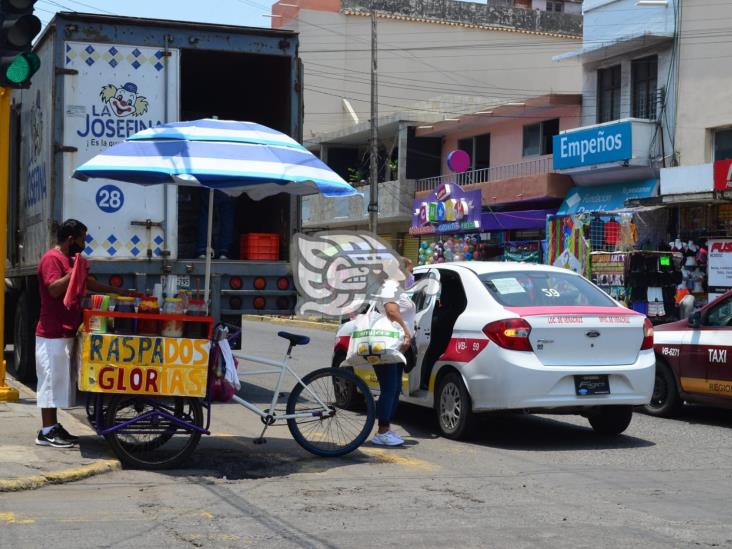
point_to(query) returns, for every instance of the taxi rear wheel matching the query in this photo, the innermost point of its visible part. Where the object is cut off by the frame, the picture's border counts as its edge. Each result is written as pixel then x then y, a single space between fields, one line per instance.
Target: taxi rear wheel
pixel 665 401
pixel 611 420
pixel 455 416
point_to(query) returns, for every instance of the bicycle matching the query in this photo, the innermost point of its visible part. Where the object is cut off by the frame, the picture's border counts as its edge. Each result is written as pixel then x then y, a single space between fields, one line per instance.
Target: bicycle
pixel 152 432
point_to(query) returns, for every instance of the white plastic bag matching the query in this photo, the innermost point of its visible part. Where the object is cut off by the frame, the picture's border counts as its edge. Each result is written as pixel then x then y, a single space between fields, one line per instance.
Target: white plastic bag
pixel 375 340
pixel 230 373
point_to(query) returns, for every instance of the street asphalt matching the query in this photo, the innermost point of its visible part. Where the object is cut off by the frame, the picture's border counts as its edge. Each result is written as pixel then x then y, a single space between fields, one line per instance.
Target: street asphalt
pixel 522 481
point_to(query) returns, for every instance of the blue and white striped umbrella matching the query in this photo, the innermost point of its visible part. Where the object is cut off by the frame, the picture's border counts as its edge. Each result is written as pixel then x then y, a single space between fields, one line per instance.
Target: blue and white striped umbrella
pixel 233 157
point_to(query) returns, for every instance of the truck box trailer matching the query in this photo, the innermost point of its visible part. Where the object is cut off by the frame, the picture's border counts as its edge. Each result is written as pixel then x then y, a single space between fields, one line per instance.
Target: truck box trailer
pixel 103 78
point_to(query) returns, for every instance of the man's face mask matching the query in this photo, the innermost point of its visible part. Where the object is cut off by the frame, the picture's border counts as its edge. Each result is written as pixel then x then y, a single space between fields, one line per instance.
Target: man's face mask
pixel 75 248
pixel 410 281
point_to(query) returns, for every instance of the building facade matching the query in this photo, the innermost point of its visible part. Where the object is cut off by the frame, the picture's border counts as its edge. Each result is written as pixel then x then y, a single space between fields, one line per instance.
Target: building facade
pixel 447 50
pixel 704 129
pixel 438 60
pixel 510 150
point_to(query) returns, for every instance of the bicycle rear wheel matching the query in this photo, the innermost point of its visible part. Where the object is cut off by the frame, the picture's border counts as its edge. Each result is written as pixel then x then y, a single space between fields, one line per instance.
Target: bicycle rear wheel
pixel 338 430
pixel 155 441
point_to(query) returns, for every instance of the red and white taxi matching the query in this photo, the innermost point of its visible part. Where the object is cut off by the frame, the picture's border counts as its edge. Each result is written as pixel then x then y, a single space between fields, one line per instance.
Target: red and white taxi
pixel 510 336
pixel 694 360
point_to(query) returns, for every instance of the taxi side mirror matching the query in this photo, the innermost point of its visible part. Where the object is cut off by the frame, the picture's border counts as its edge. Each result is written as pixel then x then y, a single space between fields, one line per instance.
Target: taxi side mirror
pixel 695 320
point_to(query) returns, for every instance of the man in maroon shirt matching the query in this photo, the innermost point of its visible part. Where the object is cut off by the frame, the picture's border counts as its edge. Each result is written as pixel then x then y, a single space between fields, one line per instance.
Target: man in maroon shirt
pixel 55 332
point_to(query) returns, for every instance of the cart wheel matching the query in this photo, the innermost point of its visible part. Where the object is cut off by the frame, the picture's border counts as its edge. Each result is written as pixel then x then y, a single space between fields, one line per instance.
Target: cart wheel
pixel 155 441
pixel 335 432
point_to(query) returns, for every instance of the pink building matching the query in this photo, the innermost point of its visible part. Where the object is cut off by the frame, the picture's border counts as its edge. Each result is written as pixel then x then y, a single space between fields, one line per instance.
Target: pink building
pixel 511 150
pixel 510 147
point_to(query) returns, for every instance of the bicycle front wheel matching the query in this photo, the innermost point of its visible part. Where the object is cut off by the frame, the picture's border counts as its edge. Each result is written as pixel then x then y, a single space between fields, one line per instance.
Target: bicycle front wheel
pixel 332 430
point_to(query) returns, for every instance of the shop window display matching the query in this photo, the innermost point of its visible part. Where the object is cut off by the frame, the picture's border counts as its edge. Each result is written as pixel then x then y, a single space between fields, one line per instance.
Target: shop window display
pixel 451 248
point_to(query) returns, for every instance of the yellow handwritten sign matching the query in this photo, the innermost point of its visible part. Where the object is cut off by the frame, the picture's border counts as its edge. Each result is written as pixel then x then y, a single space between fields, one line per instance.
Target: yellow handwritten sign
pixel 143 365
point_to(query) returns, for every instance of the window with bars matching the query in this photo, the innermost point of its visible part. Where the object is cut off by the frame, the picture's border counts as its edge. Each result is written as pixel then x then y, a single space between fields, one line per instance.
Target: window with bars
pixel 555 5
pixel 644 78
pixel 608 94
pixel 479 149
pixel 538 137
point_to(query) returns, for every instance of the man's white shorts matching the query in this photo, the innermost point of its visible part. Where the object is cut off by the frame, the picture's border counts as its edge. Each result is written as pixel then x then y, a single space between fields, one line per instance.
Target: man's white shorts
pixel 56 379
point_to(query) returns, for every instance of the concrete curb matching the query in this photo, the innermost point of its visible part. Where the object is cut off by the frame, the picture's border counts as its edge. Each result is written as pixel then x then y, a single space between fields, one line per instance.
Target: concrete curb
pixel 60 477
pixel 325 326
pixel 63 476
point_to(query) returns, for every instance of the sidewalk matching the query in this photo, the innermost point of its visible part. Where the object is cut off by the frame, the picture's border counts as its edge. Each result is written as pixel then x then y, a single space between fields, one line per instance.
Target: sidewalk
pixel 26 466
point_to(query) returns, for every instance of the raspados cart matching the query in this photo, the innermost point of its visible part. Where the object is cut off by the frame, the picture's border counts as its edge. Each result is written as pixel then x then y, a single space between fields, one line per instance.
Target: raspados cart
pixel 149 392
pixel 146 393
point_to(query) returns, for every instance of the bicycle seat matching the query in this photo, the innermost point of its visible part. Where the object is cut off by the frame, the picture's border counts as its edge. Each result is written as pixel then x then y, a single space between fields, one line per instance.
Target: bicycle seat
pixel 294 339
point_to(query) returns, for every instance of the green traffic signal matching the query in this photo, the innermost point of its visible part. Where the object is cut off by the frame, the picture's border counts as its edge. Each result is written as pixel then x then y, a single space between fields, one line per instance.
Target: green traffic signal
pixel 18 28
pixel 22 68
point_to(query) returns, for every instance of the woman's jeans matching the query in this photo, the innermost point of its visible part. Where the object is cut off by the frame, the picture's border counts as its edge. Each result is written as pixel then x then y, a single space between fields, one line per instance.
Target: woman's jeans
pixel 390 383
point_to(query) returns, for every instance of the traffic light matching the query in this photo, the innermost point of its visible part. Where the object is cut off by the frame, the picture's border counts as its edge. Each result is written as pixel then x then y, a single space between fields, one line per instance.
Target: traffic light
pixel 18 28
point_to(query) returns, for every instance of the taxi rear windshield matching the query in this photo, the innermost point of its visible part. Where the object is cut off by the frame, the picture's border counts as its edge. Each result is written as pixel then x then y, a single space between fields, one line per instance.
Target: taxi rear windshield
pixel 543 289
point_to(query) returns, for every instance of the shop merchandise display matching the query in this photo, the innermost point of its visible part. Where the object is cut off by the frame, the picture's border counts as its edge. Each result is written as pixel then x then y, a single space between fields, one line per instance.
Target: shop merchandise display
pixel 529 251
pixel 179 306
pixel 567 244
pixel 652 280
pixel 693 269
pixel 451 248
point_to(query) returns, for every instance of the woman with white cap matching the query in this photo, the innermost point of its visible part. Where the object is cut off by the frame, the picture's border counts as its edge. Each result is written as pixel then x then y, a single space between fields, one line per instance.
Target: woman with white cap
pixel 400 309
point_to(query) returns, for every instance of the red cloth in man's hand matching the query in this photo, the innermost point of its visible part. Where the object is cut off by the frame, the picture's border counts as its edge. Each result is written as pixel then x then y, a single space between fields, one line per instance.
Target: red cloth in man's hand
pixel 77 284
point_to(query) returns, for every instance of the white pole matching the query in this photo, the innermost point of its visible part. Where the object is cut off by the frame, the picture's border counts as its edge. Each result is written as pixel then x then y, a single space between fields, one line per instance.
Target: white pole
pixel 209 251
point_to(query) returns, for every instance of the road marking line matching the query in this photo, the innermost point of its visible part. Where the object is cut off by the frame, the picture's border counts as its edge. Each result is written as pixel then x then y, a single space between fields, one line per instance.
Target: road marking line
pixel 392 456
pixel 59 477
pixel 11 518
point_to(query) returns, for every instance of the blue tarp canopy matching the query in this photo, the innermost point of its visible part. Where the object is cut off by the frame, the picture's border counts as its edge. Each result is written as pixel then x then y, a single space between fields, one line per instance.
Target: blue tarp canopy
pixel 519 220
pixel 606 198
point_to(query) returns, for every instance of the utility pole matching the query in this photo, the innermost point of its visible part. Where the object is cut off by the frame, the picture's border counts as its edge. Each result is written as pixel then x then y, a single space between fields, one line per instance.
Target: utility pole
pixel 7 393
pixel 373 207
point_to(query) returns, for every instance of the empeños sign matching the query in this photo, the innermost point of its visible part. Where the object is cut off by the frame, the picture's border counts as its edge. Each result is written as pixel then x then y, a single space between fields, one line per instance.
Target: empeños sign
pixel 594 145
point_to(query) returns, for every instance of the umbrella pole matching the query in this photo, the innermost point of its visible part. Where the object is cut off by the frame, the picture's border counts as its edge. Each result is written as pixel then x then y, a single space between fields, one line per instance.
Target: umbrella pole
pixel 209 251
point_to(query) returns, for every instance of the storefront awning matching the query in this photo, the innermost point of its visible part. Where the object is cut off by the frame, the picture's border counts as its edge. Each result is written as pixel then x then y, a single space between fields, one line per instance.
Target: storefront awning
pixel 606 198
pixel 510 221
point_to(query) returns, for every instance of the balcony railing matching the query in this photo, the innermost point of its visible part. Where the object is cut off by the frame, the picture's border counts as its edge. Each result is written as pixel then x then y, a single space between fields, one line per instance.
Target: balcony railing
pixel 537 166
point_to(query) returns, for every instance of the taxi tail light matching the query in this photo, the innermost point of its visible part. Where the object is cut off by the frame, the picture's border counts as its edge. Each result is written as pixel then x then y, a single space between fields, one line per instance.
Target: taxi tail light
pixel 647 335
pixel 342 343
pixel 512 334
pixel 283 283
pixel 235 283
pixel 259 303
pixel 260 283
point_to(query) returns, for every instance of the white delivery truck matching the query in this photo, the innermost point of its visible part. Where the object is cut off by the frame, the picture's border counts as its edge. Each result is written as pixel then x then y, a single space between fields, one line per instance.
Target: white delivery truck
pixel 103 78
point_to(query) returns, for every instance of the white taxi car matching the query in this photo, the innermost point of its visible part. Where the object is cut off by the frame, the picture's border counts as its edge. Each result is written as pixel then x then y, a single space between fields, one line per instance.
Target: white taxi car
pixel 516 336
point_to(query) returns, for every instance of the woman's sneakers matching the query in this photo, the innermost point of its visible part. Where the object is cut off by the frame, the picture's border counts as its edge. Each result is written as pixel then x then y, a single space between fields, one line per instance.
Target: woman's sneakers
pixel 390 438
pixel 57 437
